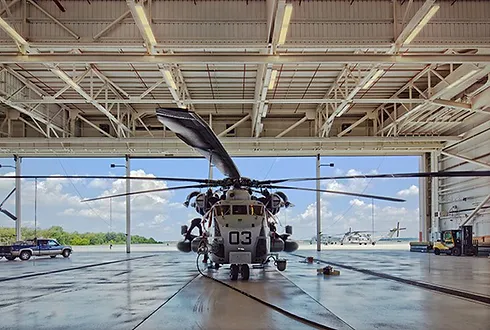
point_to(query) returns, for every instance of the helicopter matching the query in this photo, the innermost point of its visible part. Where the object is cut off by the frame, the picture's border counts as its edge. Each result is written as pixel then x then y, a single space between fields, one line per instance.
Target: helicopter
pixel 239 214
pixel 241 223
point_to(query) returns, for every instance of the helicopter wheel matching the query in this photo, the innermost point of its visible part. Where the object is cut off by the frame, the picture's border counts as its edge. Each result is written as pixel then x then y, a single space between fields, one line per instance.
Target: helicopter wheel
pixel 245 271
pixel 216 265
pixel 234 272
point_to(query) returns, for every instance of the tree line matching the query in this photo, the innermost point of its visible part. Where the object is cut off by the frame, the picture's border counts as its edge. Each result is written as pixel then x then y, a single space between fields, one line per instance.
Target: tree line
pixel 7 236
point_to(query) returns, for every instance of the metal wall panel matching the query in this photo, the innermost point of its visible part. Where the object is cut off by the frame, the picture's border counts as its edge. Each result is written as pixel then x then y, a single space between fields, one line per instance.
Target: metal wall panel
pixel 464 193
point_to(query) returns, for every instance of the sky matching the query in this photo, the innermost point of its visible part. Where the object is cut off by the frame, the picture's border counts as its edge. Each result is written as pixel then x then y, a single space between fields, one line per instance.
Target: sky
pixel 160 215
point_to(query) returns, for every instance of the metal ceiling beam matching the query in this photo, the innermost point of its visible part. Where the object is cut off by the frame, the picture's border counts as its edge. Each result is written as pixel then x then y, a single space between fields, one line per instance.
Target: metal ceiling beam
pixel 54 19
pixel 9 6
pixel 275 15
pixel 77 80
pixel 235 125
pixel 293 126
pixel 24 46
pixel 63 76
pixel 392 99
pixel 33 115
pixel 344 106
pixel 247 58
pixel 172 74
pixel 139 100
pixel 407 30
pixel 465 159
pixel 114 23
pixel 238 140
pixel 456 82
pixel 173 147
pixel 413 23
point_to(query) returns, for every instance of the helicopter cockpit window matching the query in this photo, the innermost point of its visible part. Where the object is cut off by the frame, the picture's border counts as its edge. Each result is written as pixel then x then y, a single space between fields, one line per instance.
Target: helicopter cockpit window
pixel 222 210
pixel 240 209
pixel 256 210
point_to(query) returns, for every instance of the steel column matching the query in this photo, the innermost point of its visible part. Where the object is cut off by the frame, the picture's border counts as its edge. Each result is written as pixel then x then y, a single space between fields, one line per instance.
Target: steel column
pixel 128 206
pixel 18 205
pixel 423 200
pixel 318 207
pixel 435 214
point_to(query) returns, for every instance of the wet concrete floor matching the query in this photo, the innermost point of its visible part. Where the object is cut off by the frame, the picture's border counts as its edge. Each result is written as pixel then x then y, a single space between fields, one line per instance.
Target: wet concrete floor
pixel 163 290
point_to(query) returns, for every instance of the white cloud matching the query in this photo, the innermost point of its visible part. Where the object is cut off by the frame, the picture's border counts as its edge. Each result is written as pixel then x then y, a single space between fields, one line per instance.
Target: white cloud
pixel 349 185
pixel 59 204
pixel 357 202
pixel 99 184
pixel 412 191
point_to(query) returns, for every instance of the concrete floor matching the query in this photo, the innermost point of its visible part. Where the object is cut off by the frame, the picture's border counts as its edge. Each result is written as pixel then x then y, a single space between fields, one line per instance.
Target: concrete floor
pixel 161 290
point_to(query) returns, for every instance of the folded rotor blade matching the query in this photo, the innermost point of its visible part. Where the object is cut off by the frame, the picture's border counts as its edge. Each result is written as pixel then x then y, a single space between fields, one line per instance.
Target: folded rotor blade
pixel 10 215
pixel 194 132
pixel 109 177
pixel 1 204
pixel 145 192
pixel 440 174
pixel 391 199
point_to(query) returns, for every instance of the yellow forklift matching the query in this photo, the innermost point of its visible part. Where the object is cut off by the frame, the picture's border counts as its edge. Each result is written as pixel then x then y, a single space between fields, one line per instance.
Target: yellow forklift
pixel 456 242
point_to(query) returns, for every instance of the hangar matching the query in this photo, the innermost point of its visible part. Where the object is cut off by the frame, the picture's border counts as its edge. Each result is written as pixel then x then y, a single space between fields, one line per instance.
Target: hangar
pixel 271 78
pixel 380 77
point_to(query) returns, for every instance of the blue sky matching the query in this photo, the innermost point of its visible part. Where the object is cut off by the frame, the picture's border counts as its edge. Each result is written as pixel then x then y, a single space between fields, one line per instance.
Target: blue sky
pixel 160 214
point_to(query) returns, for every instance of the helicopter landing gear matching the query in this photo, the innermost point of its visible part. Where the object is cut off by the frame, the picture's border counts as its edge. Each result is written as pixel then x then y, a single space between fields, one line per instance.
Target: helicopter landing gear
pixel 234 272
pixel 243 270
pixel 281 264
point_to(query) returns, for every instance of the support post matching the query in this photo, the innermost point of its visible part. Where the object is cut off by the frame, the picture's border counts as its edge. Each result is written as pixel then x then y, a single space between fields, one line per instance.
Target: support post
pixel 423 200
pixel 318 207
pixel 128 206
pixel 18 206
pixel 435 216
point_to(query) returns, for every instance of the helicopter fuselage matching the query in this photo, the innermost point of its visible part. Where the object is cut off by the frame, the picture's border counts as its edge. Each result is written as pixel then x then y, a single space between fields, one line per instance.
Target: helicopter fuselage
pixel 239 231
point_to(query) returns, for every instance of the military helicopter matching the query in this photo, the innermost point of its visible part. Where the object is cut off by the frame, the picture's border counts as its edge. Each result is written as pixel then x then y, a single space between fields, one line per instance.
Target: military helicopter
pixel 239 213
pixel 241 226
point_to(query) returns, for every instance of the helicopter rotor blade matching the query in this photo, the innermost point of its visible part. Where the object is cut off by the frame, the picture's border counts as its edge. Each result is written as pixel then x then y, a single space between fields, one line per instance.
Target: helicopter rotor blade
pixel 7 213
pixel 391 199
pixel 5 199
pixel 145 192
pixel 112 177
pixel 440 174
pixel 196 133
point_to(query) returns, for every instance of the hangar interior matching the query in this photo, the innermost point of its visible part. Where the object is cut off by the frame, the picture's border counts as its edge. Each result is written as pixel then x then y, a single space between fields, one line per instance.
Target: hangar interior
pixel 272 78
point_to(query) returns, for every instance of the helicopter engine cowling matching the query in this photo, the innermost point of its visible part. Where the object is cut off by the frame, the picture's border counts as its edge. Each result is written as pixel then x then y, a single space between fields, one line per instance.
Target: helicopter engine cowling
pixel 184 246
pixel 277 244
pixel 196 242
pixel 290 246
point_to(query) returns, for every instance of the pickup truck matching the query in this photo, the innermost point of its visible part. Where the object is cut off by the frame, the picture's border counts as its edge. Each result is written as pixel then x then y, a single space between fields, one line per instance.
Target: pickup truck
pixel 39 247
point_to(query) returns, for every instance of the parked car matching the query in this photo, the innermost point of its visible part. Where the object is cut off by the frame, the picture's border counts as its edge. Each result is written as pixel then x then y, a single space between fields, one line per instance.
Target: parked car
pixel 24 250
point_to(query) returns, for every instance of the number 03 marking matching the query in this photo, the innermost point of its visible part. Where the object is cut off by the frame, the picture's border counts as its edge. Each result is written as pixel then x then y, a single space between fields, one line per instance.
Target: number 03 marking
pixel 234 237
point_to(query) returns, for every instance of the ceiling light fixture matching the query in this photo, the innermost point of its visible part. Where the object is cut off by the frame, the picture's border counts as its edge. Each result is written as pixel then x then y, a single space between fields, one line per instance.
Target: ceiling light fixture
pixel 423 22
pixel 288 10
pixel 169 79
pixel 145 25
pixel 375 77
pixel 272 81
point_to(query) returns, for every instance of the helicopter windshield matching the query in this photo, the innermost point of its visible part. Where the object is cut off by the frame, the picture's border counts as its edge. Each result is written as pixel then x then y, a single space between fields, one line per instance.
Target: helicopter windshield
pixel 221 210
pixel 256 210
pixel 240 209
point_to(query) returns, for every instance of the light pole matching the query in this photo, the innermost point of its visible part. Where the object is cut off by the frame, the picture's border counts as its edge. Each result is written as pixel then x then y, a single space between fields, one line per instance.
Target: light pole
pixel 318 205
pixel 128 203
pixel 18 209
